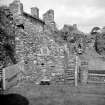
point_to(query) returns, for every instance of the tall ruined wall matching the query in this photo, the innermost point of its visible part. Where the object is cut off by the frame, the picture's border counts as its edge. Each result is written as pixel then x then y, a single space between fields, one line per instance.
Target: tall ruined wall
pixel 28 28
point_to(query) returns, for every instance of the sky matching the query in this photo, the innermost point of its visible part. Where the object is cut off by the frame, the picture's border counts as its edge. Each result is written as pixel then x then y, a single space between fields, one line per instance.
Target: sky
pixel 85 13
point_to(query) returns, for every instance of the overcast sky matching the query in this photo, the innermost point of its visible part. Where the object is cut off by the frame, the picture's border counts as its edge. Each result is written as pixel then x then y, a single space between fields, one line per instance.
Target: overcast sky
pixel 85 13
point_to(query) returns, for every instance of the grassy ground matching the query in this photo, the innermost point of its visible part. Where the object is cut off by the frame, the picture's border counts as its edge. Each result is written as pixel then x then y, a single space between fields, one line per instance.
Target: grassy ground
pixel 61 95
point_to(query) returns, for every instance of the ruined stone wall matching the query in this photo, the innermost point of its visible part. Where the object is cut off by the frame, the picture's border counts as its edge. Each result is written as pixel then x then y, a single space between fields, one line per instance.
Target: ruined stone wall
pixel 28 28
pixel 41 50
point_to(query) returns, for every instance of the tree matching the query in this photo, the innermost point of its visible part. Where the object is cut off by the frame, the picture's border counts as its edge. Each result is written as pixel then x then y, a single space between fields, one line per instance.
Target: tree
pixel 95 30
pixel 7 37
pixel 99 38
pixel 100 44
pixel 75 40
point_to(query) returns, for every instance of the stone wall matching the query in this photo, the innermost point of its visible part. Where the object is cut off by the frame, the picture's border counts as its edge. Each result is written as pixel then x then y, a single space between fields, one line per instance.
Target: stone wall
pixel 47 58
pixel 28 28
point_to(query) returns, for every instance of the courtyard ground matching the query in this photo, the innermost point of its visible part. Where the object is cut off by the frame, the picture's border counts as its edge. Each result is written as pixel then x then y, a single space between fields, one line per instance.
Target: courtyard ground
pixel 61 95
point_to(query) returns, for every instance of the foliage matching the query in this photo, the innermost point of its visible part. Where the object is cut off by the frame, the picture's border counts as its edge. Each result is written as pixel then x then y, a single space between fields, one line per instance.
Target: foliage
pixel 74 39
pixel 95 30
pixel 7 36
pixel 100 44
pixel 99 40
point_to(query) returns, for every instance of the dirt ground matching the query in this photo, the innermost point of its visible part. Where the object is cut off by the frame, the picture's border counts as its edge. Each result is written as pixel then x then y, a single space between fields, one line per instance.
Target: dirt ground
pixel 61 95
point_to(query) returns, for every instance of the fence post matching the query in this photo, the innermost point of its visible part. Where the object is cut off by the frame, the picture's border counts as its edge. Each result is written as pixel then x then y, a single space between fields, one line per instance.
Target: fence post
pixel 84 73
pixel 4 85
pixel 76 71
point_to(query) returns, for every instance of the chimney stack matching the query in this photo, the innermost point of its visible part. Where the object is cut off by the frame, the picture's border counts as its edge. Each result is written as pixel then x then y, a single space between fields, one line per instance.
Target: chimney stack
pixel 35 12
pixel 48 17
pixel 16 7
pixel 75 26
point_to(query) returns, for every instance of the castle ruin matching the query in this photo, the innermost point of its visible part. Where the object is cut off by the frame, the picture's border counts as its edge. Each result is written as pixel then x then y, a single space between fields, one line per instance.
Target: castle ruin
pixel 44 53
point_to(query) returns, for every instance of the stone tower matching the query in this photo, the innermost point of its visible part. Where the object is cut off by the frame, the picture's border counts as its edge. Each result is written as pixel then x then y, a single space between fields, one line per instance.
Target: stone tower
pixel 16 7
pixel 75 26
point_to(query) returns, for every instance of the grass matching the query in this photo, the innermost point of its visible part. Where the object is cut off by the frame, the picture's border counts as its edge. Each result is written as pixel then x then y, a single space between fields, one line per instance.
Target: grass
pixel 61 95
